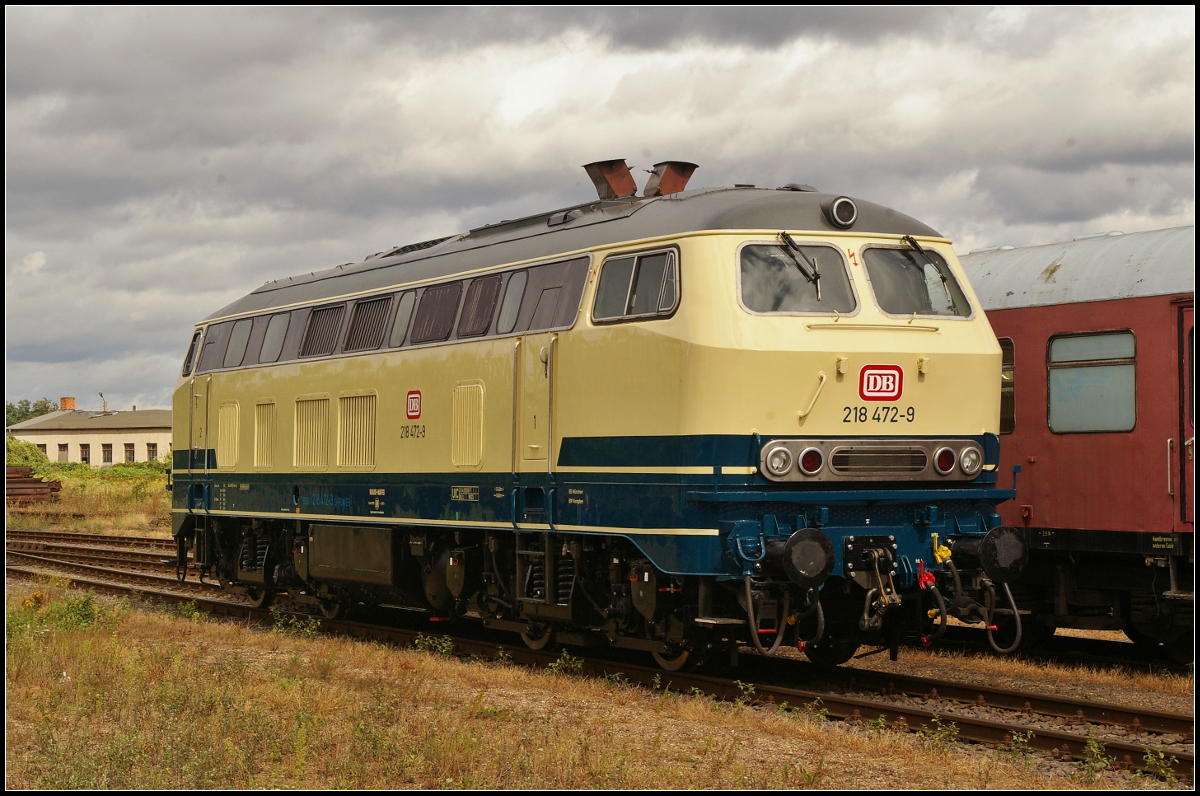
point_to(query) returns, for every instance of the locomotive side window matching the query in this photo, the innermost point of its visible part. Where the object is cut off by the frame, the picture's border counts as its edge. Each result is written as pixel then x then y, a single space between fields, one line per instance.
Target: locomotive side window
pixel 321 336
pixel 907 283
pixel 403 315
pixel 367 325
pixel 479 307
pixel 237 343
pixel 775 279
pixel 1092 382
pixel 273 340
pixel 435 315
pixel 637 287
pixel 213 352
pixel 511 306
pixel 1008 370
pixel 190 359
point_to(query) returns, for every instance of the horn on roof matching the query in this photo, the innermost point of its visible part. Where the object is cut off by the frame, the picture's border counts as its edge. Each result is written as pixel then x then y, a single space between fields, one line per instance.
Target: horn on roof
pixel 668 177
pixel 612 178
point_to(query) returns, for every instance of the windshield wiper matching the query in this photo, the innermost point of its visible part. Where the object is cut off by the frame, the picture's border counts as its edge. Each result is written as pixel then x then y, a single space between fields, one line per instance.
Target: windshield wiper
pixel 911 241
pixel 797 255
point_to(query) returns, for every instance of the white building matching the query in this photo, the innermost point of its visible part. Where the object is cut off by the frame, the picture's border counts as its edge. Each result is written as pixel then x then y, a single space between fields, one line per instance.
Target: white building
pixel 98 438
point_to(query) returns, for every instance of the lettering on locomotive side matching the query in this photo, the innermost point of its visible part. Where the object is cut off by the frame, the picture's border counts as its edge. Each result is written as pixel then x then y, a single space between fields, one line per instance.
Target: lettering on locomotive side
pixel 575 497
pixel 465 493
pixel 412 432
pixel 881 383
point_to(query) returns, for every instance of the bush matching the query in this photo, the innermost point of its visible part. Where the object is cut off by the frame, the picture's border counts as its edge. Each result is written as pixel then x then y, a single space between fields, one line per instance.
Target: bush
pixel 19 453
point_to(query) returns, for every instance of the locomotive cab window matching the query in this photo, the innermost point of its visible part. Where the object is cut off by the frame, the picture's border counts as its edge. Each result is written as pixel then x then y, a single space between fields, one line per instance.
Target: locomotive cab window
pixel 190 359
pixel 641 286
pixel 806 279
pixel 1091 382
pixel 404 313
pixel 237 343
pixel 273 340
pixel 911 282
pixel 1008 372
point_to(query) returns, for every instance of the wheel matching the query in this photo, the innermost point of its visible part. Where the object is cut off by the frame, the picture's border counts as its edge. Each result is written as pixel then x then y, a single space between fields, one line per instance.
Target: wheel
pixel 259 596
pixel 676 659
pixel 831 653
pixel 334 609
pixel 539 638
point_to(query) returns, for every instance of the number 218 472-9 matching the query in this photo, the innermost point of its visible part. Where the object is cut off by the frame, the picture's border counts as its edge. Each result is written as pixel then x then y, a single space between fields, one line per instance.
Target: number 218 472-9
pixel 878 414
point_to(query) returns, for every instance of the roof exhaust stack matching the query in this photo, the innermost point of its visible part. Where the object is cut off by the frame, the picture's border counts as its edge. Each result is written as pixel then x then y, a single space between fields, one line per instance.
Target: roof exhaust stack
pixel 668 177
pixel 66 404
pixel 612 178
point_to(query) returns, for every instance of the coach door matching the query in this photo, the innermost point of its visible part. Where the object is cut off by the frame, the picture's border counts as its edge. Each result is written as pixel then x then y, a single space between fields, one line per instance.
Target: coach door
pixel 1187 414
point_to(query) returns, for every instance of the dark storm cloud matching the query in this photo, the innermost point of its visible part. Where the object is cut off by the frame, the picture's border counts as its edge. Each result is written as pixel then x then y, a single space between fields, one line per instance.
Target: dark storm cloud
pixel 162 162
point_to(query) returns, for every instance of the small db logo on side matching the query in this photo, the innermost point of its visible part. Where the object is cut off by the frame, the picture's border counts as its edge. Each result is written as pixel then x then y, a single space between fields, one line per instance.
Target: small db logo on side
pixel 881 383
pixel 413 409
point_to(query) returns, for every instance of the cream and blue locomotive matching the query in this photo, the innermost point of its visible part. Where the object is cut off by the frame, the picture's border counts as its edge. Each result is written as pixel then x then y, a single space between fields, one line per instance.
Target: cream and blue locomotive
pixel 683 422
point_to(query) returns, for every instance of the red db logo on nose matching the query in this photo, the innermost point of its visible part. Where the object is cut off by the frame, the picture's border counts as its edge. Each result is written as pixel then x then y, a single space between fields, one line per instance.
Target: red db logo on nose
pixel 880 383
pixel 413 410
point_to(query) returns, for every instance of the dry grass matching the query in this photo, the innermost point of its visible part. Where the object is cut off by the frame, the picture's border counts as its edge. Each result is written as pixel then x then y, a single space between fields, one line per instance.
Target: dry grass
pixel 138 505
pixel 135 698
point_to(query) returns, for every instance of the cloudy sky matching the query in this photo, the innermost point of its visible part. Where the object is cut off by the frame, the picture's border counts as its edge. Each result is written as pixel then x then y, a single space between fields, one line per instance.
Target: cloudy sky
pixel 162 162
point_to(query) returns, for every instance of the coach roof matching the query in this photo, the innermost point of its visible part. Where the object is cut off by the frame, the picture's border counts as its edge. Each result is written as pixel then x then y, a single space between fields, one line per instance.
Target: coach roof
pixel 1154 263
pixel 578 228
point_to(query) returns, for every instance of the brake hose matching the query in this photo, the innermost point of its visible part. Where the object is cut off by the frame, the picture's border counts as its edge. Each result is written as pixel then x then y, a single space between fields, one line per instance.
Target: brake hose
pixel 779 632
pixel 1016 618
pixel 815 606
pixel 940 629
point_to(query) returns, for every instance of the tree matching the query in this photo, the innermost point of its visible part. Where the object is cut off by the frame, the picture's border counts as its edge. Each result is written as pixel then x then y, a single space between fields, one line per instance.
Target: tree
pixel 25 409
pixel 18 452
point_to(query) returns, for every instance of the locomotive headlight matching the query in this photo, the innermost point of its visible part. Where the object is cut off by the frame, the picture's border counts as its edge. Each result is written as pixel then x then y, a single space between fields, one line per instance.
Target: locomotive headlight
pixel 944 460
pixel 779 461
pixel 811 461
pixel 970 460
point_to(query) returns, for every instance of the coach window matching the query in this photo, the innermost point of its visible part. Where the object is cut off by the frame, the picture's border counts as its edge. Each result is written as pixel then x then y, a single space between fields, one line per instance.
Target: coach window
pixel 1008 407
pixel 273 340
pixel 779 279
pixel 435 314
pixel 911 282
pixel 514 291
pixel 237 343
pixel 1091 382
pixel 190 359
pixel 632 288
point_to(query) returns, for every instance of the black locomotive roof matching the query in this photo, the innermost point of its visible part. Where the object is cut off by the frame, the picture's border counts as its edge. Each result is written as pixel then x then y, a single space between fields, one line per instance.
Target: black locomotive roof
pixel 594 224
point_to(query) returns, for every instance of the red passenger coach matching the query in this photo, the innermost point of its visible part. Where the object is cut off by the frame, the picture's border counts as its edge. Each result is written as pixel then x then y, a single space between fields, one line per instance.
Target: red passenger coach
pixel 1098 417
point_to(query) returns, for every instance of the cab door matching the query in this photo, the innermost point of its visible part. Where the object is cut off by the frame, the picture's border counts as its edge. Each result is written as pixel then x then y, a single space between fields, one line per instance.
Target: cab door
pixel 536 418
pixel 198 411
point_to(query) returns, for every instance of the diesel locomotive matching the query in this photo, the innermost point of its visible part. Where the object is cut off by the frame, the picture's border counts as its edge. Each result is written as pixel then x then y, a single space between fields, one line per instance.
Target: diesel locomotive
pixel 682 422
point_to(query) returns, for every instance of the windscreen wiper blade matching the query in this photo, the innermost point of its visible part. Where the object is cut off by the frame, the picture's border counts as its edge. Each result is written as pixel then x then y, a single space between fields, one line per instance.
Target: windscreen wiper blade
pixel 803 264
pixel 911 241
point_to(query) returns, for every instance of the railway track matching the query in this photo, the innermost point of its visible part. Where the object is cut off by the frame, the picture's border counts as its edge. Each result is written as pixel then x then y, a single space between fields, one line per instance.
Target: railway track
pixel 981 713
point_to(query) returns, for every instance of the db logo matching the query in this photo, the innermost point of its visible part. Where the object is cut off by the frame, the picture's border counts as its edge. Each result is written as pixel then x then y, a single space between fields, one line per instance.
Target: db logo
pixel 880 383
pixel 413 410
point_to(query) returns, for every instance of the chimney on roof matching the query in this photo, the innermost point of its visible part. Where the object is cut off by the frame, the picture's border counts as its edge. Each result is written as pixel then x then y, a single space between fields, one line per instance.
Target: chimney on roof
pixel 668 177
pixel 134 408
pixel 66 404
pixel 612 178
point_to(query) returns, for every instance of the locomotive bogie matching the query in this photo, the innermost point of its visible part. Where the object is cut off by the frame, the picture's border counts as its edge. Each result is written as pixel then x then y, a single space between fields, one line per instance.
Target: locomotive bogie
pixel 588 461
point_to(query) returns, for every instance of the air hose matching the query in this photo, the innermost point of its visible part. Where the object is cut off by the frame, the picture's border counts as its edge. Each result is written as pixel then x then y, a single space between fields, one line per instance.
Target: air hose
pixel 815 605
pixel 779 632
pixel 940 629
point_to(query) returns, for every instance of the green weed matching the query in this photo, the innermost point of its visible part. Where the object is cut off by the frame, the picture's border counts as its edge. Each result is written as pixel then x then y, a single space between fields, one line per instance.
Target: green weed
pixel 567 665
pixel 295 625
pixel 939 737
pixel 435 645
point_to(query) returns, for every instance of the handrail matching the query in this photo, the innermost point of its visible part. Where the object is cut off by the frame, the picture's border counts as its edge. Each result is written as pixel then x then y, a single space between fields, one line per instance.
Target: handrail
pixel 886 327
pixel 820 386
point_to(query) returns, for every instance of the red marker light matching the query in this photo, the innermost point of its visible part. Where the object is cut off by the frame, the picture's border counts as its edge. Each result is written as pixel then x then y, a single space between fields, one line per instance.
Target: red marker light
pixel 811 461
pixel 944 460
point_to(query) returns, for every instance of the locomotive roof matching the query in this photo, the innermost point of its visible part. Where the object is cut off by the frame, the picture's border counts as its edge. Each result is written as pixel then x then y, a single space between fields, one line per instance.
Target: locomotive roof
pixel 1094 269
pixel 581 227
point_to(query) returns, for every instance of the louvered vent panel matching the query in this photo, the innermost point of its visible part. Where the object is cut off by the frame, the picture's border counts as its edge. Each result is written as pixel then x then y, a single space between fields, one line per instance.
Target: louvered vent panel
pixel 367 325
pixel 479 307
pixel 868 461
pixel 264 435
pixel 227 436
pixel 312 432
pixel 321 336
pixel 356 447
pixel 466 444
pixel 435 315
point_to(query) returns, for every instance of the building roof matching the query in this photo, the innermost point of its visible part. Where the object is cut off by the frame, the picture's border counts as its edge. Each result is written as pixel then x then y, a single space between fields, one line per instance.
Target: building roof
pixel 586 226
pixel 71 420
pixel 1156 263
